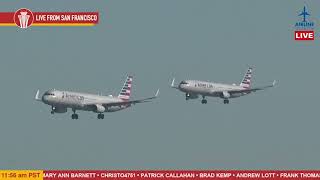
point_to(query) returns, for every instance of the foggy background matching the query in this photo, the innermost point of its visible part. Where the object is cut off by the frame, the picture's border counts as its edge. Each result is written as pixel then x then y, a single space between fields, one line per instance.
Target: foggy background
pixel 155 41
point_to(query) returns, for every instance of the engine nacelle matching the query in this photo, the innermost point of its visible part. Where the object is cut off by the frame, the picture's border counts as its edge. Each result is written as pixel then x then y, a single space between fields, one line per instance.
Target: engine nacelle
pixel 192 96
pixel 60 109
pixel 225 94
pixel 99 108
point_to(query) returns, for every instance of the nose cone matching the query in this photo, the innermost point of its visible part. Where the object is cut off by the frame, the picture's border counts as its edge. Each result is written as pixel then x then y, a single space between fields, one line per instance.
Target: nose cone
pixel 45 98
pixel 183 85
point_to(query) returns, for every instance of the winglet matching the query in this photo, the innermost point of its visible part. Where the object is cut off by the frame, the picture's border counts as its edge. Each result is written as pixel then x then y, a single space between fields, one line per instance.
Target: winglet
pixel 274 83
pixel 172 83
pixel 157 93
pixel 37 96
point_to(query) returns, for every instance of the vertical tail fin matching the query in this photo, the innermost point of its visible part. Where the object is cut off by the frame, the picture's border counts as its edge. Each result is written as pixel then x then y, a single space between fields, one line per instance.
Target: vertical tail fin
pixel 125 92
pixel 246 81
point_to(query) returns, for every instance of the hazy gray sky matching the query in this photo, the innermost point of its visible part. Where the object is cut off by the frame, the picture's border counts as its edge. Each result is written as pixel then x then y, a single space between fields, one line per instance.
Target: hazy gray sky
pixel 155 41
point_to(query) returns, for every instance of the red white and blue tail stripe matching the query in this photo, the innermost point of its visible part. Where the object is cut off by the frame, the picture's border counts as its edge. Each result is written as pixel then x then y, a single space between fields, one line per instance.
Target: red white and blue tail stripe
pixel 125 92
pixel 246 82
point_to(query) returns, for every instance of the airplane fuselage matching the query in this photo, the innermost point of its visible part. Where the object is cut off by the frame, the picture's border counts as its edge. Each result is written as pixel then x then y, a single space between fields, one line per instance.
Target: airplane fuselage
pixel 75 100
pixel 209 88
pixel 195 88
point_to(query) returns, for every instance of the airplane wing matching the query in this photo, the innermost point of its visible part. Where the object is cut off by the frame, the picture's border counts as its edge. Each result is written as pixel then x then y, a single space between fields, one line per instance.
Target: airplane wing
pixel 252 89
pixel 304 13
pixel 133 101
pixel 126 102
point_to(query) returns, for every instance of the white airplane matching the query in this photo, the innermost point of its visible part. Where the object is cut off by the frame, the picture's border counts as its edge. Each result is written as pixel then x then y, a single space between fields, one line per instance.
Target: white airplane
pixel 194 88
pixel 60 101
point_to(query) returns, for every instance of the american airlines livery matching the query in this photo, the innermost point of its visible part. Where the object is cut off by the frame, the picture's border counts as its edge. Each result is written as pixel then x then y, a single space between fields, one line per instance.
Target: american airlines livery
pixel 194 88
pixel 60 101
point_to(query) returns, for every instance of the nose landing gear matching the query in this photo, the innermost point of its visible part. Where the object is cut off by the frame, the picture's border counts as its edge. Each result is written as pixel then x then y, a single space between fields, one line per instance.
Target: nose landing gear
pixel 52 109
pixel 187 96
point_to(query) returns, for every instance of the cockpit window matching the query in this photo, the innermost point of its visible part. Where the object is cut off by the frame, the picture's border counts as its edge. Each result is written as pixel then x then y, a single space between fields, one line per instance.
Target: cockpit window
pixel 183 82
pixel 49 94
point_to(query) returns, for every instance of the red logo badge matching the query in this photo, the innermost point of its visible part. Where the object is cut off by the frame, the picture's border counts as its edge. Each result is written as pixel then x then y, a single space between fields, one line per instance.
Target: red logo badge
pixel 304 35
pixel 23 18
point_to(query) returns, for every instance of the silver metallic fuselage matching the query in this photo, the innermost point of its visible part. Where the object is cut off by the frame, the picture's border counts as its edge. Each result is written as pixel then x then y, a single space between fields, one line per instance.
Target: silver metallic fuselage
pixel 209 88
pixel 79 101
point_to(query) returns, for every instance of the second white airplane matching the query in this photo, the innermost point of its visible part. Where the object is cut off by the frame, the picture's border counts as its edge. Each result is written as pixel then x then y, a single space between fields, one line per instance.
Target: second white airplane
pixel 60 101
pixel 194 88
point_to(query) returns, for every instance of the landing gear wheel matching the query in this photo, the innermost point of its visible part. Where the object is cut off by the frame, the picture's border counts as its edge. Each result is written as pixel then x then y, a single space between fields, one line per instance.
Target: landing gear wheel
pixel 52 109
pixel 204 101
pixel 74 116
pixel 226 101
pixel 100 116
pixel 187 96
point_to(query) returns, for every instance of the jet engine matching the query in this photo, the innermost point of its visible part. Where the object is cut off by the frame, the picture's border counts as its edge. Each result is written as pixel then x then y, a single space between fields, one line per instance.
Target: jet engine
pixel 225 94
pixel 99 108
pixel 60 109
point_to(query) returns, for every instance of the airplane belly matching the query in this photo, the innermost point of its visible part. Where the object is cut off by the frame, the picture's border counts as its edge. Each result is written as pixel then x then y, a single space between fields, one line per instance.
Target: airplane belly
pixel 214 94
pixel 201 91
pixel 207 92
pixel 116 108
pixel 235 95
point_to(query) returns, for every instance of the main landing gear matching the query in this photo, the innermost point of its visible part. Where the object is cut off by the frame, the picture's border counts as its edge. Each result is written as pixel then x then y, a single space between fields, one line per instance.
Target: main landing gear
pixel 52 109
pixel 74 115
pixel 226 101
pixel 204 101
pixel 100 116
